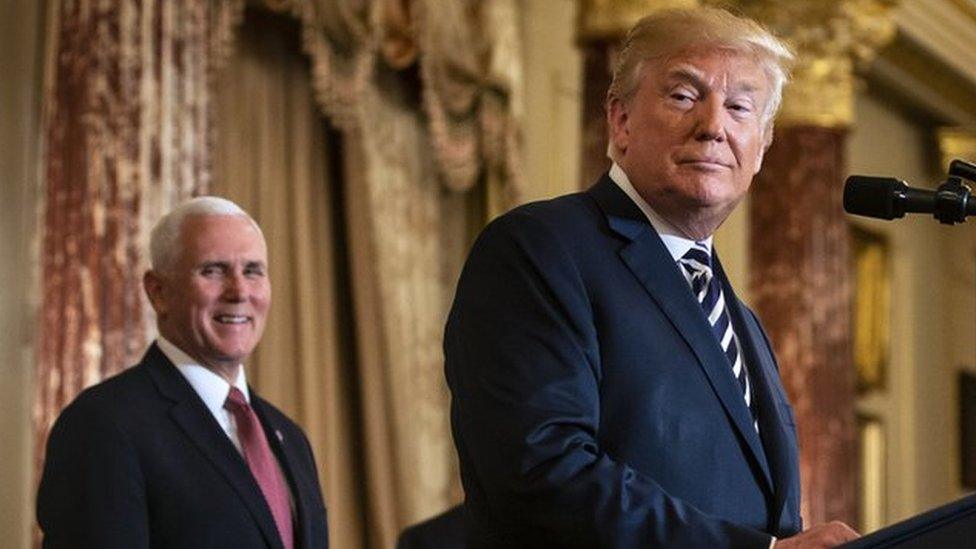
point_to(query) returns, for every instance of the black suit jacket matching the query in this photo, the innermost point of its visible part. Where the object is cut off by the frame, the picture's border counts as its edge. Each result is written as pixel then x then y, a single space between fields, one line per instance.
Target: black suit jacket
pixel 592 404
pixel 444 531
pixel 139 461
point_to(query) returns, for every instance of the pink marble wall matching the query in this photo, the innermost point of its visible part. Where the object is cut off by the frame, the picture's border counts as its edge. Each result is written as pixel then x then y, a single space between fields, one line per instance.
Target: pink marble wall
pixel 597 58
pixel 800 282
pixel 127 127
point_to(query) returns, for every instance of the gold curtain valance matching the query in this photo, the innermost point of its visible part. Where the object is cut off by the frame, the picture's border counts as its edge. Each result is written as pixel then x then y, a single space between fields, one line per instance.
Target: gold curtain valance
pixel 467 67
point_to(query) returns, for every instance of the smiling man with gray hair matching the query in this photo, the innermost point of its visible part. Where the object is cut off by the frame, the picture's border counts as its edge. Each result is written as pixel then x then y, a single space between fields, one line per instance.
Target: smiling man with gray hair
pixel 178 451
pixel 609 388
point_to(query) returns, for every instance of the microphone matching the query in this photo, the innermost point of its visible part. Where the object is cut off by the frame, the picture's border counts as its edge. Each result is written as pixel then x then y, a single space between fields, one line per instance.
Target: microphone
pixel 890 198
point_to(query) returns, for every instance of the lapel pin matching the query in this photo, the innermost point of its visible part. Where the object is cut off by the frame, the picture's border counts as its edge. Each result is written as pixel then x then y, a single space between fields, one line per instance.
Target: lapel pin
pixel 281 437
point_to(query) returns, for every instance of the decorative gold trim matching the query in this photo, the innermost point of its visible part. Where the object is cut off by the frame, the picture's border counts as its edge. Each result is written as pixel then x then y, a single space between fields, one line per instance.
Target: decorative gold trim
pixel 956 143
pixel 820 94
pixel 611 19
pixel 871 255
pixel 872 485
pixel 831 38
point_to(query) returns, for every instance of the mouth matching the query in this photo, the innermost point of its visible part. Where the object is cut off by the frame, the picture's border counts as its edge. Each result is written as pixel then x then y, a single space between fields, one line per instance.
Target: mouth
pixel 231 319
pixel 705 163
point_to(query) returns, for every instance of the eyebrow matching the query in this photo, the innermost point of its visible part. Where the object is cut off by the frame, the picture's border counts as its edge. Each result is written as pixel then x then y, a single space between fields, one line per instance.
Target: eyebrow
pixel 691 74
pixel 226 264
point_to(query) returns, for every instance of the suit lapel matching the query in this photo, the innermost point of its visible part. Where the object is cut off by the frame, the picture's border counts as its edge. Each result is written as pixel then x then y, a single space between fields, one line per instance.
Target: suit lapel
pixel 199 425
pixel 777 440
pixel 286 451
pixel 649 260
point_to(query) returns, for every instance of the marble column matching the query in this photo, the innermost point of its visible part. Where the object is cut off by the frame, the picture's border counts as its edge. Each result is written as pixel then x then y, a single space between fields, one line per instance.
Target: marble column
pixel 127 124
pixel 800 271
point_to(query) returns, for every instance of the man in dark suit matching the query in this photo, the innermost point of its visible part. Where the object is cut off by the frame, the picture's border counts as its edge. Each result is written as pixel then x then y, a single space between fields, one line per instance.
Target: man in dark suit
pixel 609 389
pixel 178 451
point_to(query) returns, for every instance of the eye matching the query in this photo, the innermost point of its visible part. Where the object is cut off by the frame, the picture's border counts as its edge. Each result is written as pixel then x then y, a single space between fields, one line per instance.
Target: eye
pixel 210 270
pixel 681 97
pixel 254 271
pixel 740 108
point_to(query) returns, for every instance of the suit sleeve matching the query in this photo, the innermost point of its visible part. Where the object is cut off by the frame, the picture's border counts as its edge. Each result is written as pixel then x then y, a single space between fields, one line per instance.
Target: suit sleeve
pixel 92 492
pixel 318 513
pixel 523 363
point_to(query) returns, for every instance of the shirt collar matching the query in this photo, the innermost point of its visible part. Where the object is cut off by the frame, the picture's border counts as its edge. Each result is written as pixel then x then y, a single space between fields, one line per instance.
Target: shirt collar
pixel 676 243
pixel 212 388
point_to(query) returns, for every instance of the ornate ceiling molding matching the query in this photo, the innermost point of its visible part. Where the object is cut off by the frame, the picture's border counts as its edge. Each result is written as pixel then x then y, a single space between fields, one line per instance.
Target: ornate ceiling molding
pixel 601 20
pixel 931 64
pixel 832 38
pixel 946 29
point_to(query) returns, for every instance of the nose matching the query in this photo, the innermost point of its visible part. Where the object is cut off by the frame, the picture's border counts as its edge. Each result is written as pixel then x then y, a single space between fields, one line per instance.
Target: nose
pixel 710 124
pixel 235 288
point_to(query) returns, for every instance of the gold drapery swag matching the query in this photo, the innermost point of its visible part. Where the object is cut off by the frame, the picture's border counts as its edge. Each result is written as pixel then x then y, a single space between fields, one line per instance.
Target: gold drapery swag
pixel 467 55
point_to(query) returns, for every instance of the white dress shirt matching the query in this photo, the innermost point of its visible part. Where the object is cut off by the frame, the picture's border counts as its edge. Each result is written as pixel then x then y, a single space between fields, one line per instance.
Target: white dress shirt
pixel 213 391
pixel 211 388
pixel 676 243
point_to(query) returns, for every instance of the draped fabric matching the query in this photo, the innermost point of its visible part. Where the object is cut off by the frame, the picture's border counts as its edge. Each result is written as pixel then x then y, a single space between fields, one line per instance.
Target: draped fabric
pixel 276 157
pixel 468 57
pixel 365 247
pixel 127 130
pixel 373 62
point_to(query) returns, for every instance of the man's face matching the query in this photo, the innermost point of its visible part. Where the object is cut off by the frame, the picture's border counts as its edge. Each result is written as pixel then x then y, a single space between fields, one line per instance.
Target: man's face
pixel 693 135
pixel 213 301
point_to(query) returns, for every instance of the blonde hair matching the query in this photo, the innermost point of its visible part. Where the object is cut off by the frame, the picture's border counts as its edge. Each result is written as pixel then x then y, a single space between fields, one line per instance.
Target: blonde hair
pixel 668 32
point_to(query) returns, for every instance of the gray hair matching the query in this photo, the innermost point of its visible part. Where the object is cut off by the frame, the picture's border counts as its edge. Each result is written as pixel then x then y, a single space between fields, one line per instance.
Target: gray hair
pixel 668 32
pixel 165 236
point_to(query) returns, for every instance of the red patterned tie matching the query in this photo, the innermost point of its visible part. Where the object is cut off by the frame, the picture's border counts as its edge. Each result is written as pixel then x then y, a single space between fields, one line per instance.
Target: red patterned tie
pixel 263 466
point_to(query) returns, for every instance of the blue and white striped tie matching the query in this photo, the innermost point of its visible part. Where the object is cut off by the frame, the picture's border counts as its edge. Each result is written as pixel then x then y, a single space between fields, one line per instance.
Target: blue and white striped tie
pixel 698 264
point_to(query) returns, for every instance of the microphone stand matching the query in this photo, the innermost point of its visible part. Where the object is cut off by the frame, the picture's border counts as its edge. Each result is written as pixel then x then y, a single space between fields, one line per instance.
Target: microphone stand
pixel 952 197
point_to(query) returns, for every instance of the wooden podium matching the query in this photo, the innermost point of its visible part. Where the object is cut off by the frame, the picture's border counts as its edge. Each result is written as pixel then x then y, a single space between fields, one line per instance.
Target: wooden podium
pixel 950 526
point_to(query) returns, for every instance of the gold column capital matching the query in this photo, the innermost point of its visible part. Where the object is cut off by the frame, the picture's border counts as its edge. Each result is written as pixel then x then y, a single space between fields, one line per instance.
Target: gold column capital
pixel 831 38
pixel 611 19
pixel 956 142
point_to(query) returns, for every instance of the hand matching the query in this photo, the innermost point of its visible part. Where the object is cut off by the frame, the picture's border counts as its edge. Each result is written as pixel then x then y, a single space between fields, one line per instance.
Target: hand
pixel 829 534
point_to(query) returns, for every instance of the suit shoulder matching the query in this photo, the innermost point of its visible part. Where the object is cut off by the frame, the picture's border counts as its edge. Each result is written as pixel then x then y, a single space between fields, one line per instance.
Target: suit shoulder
pixel 563 210
pixel 115 393
pixel 567 219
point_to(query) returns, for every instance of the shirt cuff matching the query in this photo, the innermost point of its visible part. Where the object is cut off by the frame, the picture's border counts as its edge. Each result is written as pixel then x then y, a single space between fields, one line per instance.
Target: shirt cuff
pixel 772 542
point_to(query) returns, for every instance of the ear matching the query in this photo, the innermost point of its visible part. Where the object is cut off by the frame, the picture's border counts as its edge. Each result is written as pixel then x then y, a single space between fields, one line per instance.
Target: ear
pixel 618 122
pixel 767 141
pixel 153 284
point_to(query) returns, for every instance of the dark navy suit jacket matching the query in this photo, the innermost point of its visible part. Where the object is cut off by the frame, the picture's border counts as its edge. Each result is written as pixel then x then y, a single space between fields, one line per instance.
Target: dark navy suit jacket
pixel 591 404
pixel 139 461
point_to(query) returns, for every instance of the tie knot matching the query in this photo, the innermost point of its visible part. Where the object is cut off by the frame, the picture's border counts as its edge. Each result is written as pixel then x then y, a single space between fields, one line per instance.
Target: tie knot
pixel 697 259
pixel 235 400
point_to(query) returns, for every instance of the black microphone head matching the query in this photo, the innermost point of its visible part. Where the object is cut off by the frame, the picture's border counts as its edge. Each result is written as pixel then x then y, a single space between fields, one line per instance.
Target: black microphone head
pixel 873 196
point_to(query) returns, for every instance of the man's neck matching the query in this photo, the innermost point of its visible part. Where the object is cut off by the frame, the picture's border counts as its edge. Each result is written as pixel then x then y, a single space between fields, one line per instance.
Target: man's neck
pixel 229 372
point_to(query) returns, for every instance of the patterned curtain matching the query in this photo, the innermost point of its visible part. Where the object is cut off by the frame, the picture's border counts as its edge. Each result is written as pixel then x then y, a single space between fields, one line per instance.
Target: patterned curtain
pixel 426 95
pixel 127 126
